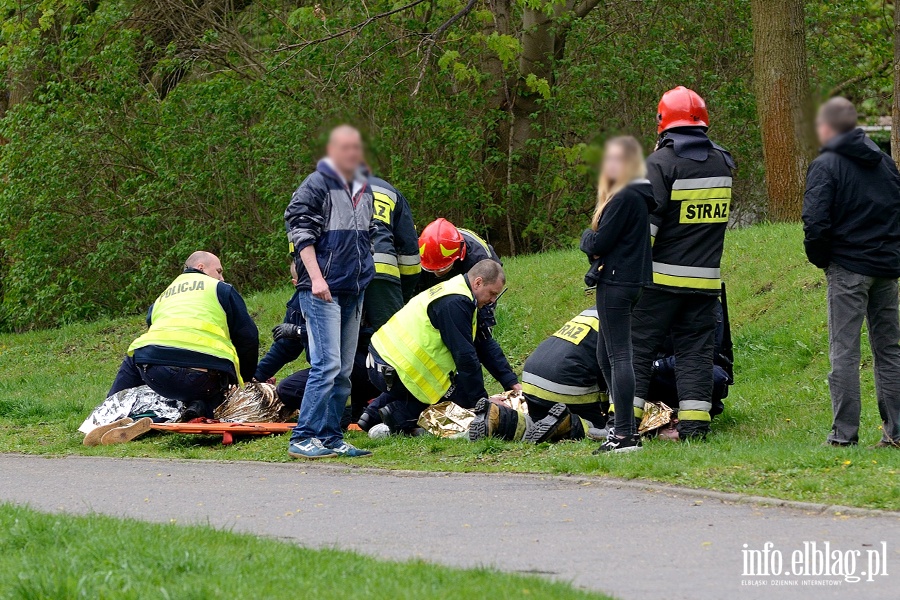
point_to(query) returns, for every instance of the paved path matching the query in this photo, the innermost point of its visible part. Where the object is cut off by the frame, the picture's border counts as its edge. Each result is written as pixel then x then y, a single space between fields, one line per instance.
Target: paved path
pixel 632 543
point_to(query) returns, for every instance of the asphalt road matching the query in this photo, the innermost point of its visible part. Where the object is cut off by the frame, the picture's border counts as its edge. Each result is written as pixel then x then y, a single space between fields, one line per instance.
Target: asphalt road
pixel 599 534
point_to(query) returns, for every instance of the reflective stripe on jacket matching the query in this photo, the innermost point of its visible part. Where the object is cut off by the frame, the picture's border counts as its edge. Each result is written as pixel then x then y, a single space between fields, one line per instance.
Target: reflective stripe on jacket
pixel 564 367
pixel 395 240
pixel 188 316
pixel 688 227
pixel 411 344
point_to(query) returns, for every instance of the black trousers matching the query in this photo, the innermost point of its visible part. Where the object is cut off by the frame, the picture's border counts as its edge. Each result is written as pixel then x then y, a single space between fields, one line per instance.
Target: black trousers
pixel 383 299
pixel 405 408
pixel 200 391
pixel 615 306
pixel 690 318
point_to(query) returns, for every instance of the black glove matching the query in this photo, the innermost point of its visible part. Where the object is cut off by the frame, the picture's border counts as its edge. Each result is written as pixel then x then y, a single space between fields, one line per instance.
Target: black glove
pixel 286 331
pixel 592 278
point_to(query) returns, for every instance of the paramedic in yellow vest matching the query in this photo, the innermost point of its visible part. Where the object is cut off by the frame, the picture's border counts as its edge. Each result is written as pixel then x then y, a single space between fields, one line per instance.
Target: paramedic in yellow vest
pixel 201 340
pixel 431 350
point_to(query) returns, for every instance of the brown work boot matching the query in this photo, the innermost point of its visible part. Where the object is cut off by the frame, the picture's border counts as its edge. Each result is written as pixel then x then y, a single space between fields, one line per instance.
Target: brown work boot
pixel 559 424
pixel 93 438
pixel 493 420
pixel 120 435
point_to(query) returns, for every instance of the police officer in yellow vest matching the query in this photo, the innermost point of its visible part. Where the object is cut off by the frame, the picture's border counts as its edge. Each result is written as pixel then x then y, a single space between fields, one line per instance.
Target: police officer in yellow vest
pixel 201 340
pixel 430 350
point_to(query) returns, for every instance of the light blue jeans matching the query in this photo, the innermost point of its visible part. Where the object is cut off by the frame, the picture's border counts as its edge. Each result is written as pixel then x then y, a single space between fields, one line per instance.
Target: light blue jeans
pixel 333 329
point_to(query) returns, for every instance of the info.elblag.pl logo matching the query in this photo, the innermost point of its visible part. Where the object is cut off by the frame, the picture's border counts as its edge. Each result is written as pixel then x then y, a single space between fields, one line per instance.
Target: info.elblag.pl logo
pixel 813 564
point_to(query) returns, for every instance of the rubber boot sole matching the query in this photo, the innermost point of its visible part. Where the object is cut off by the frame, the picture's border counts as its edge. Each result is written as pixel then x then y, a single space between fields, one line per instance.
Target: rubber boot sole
pixel 478 428
pixel 93 437
pixel 121 435
pixel 544 429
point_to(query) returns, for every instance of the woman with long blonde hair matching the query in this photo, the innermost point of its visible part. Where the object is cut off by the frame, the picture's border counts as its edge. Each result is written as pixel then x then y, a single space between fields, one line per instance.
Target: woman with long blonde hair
pixel 618 247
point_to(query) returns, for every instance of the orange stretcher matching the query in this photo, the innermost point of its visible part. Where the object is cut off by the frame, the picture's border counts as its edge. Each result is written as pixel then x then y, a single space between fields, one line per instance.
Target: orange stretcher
pixel 226 430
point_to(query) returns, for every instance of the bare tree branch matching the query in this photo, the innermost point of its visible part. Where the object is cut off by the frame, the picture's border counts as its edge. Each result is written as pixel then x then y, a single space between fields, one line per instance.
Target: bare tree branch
pixel 585 7
pixel 861 77
pixel 351 29
pixel 430 40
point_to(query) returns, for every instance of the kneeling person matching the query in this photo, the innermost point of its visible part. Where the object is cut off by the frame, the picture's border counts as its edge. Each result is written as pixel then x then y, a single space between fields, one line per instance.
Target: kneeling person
pixel 431 350
pixel 201 340
pixel 563 387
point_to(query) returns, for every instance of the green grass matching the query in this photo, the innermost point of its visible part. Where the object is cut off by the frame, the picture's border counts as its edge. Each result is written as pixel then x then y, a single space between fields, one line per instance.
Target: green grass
pixel 44 556
pixel 768 441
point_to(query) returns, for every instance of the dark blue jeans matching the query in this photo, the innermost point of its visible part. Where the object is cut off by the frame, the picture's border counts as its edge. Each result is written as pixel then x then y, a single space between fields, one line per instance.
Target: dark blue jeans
pixel 200 391
pixel 615 304
pixel 333 331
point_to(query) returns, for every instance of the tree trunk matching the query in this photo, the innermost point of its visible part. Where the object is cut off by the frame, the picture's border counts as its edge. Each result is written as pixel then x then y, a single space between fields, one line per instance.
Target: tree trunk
pixel 783 102
pixel 895 106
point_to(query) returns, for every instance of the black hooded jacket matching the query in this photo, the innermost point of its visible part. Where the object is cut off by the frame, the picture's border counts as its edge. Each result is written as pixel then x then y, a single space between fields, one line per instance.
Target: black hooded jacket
pixel 622 239
pixel 851 208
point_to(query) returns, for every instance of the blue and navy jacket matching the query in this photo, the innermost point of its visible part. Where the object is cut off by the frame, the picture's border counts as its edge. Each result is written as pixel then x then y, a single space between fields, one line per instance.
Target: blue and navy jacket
pixel 323 213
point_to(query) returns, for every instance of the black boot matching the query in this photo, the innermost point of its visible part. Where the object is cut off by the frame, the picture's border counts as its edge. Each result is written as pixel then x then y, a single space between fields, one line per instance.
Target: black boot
pixel 493 420
pixel 559 424
pixel 693 430
pixel 368 419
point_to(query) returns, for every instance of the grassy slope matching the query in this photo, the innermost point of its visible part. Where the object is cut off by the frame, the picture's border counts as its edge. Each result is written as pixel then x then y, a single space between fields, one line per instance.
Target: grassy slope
pixel 767 442
pixel 55 556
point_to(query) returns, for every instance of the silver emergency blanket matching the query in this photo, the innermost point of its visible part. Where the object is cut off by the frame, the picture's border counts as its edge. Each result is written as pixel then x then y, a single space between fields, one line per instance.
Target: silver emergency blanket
pixel 253 403
pixel 135 401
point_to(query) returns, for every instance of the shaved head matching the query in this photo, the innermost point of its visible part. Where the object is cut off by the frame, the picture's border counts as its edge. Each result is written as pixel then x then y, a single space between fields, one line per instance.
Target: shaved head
pixel 206 262
pixel 345 149
pixel 344 132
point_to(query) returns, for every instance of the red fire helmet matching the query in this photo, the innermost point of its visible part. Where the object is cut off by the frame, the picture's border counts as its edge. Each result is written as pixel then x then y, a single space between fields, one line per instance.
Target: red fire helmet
pixel 681 107
pixel 440 245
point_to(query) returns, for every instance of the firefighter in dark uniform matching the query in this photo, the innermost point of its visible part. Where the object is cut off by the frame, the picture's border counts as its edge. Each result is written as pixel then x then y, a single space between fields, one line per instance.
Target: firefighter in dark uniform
pixel 446 252
pixel 563 387
pixel 396 246
pixel 691 178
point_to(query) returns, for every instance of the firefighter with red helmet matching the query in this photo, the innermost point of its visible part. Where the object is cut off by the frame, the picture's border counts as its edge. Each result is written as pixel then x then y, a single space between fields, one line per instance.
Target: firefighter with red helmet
pixel 691 178
pixel 447 251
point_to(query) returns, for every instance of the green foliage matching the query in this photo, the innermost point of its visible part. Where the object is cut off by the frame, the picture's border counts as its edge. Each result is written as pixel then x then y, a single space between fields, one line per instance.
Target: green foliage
pixel 109 183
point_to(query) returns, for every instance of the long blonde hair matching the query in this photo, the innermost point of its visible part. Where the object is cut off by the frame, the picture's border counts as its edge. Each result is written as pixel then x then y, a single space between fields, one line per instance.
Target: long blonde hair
pixel 634 169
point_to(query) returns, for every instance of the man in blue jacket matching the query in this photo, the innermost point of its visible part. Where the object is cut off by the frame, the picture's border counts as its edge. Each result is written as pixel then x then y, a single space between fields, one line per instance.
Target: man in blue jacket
pixel 330 224
pixel 851 217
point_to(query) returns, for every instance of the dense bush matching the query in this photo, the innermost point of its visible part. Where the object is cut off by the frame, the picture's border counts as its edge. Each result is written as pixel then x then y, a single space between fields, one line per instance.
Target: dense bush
pixel 111 179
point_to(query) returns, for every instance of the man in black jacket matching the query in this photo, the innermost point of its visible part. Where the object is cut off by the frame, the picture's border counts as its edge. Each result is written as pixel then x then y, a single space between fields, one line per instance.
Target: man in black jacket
pixel 851 217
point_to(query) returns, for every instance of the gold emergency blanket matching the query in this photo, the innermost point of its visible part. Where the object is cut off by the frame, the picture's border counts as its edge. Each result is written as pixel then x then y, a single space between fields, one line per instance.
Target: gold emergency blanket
pixel 446 419
pixel 656 415
pixel 253 403
pixel 513 399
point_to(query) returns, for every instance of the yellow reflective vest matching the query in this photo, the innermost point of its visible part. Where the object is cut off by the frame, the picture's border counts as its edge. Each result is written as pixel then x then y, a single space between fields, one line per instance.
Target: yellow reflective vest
pixel 413 346
pixel 188 316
